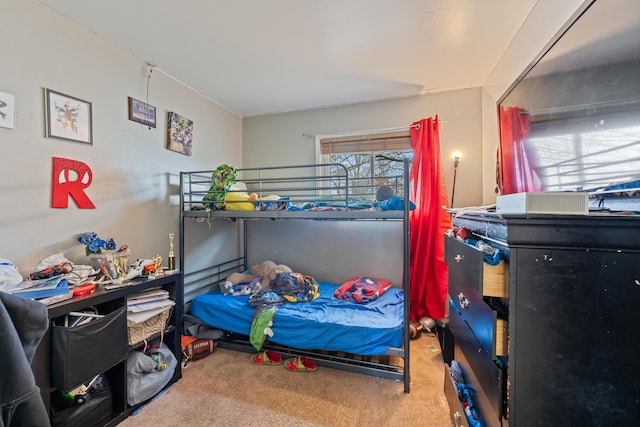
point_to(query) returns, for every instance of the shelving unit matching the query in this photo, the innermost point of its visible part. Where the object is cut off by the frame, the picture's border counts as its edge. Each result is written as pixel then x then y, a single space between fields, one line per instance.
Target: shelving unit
pixel 116 374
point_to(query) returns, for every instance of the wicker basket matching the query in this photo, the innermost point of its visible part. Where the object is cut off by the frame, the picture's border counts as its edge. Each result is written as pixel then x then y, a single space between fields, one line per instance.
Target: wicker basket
pixel 141 332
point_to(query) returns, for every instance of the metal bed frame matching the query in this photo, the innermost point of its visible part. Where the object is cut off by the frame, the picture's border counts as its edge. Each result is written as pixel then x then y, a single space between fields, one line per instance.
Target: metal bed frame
pixel 303 184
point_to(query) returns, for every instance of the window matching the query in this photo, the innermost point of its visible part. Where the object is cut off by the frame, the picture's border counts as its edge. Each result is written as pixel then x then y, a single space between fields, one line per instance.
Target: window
pixel 371 160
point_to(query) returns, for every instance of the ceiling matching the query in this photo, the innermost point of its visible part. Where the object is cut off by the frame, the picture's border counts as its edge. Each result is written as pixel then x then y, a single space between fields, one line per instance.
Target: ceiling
pixel 256 57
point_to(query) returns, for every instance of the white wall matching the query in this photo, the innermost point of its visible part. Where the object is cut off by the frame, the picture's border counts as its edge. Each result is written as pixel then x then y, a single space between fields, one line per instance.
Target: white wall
pixel 470 115
pixel 290 137
pixel 135 179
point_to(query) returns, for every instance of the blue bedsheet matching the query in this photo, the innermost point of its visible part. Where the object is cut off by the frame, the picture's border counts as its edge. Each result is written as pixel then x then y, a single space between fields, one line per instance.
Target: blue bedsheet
pixel 326 323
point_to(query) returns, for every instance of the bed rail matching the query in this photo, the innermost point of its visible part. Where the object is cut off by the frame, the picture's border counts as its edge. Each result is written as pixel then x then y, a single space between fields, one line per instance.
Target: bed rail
pixel 206 279
pixel 327 185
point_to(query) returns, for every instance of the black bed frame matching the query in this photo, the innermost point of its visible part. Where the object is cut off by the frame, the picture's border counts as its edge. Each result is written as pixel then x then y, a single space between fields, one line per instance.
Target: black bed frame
pixel 303 184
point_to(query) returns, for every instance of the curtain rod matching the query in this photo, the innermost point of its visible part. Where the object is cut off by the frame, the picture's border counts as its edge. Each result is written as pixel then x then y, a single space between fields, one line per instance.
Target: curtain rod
pixel 365 132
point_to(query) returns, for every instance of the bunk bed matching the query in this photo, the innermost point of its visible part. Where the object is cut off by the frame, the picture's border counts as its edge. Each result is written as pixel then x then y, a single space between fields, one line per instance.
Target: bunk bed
pixel 374 339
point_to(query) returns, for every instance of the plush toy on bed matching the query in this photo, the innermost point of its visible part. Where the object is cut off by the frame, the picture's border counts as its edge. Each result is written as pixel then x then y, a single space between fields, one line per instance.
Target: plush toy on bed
pixel 387 200
pixel 221 180
pixel 383 193
pixel 267 270
pixel 237 198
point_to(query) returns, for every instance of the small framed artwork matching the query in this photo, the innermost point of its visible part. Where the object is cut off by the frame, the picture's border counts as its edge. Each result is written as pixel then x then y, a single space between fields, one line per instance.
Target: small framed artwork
pixel 7 110
pixel 142 112
pixel 67 117
pixel 180 134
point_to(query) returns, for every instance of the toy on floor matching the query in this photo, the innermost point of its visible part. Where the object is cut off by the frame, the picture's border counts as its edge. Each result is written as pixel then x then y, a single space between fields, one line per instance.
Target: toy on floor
pixel 415 329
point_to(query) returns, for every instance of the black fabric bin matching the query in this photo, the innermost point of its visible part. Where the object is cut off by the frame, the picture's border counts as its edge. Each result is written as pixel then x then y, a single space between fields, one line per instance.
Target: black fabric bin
pixel 97 408
pixel 80 353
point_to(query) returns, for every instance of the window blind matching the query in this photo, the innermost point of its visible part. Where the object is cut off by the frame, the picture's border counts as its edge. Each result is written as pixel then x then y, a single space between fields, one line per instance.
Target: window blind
pixel 390 141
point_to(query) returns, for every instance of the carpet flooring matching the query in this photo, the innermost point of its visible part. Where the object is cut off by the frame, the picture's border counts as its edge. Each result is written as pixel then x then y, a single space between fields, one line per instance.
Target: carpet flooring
pixel 226 389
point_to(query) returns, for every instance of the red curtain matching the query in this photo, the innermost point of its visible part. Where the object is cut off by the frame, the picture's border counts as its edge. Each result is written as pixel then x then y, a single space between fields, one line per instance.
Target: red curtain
pixel 428 223
pixel 519 172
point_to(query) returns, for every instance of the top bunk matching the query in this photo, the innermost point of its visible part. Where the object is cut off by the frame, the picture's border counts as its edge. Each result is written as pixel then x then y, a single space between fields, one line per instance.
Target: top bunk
pixel 315 191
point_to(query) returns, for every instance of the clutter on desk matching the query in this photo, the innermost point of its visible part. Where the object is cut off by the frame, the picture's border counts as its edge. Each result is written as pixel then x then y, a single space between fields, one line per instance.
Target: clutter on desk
pixel 144 305
pixel 110 265
pixel 148 312
pixel 9 275
pixel 57 264
pixel 43 288
pixel 56 278
pixel 52 281
pixel 94 244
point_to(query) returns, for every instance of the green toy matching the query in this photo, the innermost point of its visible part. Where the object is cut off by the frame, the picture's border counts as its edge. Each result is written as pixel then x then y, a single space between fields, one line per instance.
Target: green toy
pixel 221 179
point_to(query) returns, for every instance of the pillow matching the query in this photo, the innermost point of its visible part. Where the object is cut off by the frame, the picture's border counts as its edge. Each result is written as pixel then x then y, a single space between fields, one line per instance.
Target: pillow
pixel 362 289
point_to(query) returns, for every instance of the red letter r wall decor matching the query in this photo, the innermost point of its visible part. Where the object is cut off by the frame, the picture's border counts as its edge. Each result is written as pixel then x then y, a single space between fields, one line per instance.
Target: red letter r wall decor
pixel 70 178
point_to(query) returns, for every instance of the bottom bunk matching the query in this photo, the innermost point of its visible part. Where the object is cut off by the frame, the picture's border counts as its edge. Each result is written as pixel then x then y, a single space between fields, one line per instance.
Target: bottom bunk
pixel 367 338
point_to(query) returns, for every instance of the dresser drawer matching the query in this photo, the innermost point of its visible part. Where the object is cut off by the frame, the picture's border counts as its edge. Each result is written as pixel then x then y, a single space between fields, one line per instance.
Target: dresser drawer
pixel 456 409
pixel 466 265
pixel 468 276
pixel 481 372
pixel 492 333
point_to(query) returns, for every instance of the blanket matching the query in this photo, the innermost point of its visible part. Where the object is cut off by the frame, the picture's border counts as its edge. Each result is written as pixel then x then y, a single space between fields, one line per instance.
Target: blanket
pixel 286 287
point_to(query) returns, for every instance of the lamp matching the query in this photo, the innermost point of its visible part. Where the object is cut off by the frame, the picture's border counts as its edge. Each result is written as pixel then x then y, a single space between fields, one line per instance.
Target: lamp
pixel 456 155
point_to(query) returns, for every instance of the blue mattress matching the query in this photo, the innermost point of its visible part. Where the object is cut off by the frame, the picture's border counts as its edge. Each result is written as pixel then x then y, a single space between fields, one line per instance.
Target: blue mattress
pixel 326 323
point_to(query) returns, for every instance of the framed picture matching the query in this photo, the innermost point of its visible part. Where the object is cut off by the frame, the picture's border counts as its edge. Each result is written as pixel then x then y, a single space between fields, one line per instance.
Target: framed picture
pixel 7 110
pixel 180 134
pixel 68 117
pixel 142 112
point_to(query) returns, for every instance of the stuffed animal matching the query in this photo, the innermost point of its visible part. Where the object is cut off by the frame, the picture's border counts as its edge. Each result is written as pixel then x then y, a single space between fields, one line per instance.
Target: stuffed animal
pixel 221 179
pixel 227 287
pixel 237 199
pixel 236 278
pixel 242 287
pixel 386 199
pixel 384 192
pixel 267 270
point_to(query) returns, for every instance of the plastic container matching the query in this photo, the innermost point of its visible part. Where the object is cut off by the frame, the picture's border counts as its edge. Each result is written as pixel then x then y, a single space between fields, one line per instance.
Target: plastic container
pixel 112 265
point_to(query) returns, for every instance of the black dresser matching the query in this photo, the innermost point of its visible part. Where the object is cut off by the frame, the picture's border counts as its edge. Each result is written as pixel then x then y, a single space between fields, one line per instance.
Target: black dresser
pixel 555 344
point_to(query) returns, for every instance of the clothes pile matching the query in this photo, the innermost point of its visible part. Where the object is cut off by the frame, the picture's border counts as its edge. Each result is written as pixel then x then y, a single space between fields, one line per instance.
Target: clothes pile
pixel 286 287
